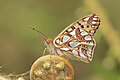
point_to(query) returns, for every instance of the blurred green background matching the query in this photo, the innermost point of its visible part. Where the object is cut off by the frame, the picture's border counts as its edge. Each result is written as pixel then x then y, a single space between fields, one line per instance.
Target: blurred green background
pixel 20 46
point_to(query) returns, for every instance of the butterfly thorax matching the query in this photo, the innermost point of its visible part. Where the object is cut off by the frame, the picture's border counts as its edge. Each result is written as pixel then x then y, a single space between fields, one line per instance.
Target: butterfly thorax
pixel 49 45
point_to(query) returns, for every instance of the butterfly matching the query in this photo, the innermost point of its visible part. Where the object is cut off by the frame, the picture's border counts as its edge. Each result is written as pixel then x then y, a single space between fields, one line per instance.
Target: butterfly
pixel 76 40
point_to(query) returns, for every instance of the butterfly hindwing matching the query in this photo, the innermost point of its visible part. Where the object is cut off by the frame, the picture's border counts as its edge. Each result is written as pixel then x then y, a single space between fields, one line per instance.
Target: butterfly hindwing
pixel 77 39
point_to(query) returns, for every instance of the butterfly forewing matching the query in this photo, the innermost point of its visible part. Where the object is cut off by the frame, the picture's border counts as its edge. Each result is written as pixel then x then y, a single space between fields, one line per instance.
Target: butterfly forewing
pixel 77 39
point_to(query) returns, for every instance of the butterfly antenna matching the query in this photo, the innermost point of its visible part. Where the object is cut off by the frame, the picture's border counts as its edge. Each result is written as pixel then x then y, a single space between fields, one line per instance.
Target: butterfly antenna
pixel 43 35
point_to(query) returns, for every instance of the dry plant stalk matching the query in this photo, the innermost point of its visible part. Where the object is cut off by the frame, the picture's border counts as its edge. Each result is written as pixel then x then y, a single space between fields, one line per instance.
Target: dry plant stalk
pixel 96 7
pixel 51 67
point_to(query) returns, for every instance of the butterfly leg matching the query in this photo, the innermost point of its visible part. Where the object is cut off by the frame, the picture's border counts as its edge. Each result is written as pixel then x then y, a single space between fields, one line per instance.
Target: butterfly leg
pixel 44 51
pixel 64 54
pixel 50 54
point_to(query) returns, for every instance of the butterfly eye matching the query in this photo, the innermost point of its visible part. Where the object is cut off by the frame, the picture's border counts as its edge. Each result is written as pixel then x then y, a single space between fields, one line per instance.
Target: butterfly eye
pixel 82 26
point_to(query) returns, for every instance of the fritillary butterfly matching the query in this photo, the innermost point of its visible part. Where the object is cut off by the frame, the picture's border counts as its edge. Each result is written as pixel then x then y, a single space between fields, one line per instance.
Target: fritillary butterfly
pixel 76 40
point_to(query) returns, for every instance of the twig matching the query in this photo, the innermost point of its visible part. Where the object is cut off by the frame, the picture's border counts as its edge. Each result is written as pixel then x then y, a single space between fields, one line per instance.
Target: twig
pixel 1 67
pixel 19 75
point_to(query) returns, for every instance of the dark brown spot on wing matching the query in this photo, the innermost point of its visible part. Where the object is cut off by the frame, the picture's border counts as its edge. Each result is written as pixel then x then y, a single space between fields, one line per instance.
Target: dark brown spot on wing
pixel 79 23
pixel 72 27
